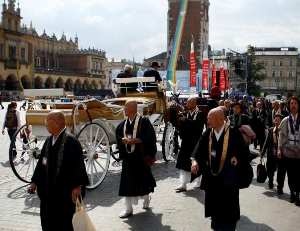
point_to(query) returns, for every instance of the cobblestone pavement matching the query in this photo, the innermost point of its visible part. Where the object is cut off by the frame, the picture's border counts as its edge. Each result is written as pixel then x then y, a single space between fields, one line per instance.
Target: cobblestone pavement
pixel 261 209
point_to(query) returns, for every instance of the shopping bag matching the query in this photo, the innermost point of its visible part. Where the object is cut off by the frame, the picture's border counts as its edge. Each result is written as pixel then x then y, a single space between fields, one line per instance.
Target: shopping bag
pixel 261 172
pixel 81 221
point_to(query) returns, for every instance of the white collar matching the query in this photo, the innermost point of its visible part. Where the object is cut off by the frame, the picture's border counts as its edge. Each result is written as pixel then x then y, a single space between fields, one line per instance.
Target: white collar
pixel 218 134
pixel 294 118
pixel 130 121
pixel 194 113
pixel 55 139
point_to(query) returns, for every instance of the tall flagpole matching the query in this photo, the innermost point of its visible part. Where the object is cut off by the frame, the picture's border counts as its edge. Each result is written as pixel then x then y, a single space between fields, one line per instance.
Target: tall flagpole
pixel 171 73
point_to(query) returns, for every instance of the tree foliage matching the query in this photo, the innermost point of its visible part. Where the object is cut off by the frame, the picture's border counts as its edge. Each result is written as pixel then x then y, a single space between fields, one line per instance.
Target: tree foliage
pixel 256 72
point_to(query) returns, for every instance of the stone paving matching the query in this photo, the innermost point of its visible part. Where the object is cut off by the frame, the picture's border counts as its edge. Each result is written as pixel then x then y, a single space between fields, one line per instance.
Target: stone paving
pixel 261 209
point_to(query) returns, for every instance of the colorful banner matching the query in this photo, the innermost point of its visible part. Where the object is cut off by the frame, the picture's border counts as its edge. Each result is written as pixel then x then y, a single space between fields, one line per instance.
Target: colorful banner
pixel 171 74
pixel 214 75
pixel 222 79
pixel 205 70
pixel 227 79
pixel 193 72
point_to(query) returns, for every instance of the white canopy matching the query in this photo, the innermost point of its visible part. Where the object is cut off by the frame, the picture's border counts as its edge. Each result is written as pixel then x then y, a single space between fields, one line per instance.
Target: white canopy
pixel 56 92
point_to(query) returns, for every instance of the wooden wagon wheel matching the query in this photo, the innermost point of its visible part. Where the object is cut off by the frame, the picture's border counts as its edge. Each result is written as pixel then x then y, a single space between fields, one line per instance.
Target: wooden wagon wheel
pixel 24 152
pixel 97 152
pixel 170 143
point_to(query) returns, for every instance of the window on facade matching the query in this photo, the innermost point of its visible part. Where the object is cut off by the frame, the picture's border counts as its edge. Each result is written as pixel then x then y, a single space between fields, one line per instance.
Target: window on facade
pixel 280 63
pixel 290 74
pixel 23 54
pixel 291 62
pixel 280 73
pixel 38 61
pixel 273 74
pixel 12 52
pixel 274 63
pixel 1 50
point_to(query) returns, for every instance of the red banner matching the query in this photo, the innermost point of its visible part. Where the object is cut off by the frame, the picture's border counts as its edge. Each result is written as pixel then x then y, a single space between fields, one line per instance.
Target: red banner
pixel 205 70
pixel 214 75
pixel 222 79
pixel 226 79
pixel 193 73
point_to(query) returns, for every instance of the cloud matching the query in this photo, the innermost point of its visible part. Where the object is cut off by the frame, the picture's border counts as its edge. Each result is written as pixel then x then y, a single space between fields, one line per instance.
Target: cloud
pixel 127 28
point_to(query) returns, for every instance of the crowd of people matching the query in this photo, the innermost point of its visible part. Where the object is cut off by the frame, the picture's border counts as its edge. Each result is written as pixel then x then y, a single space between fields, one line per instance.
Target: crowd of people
pixel 214 153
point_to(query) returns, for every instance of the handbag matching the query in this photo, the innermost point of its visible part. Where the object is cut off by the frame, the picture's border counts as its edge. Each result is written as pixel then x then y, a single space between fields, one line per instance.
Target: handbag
pixel 81 221
pixel 247 133
pixel 261 172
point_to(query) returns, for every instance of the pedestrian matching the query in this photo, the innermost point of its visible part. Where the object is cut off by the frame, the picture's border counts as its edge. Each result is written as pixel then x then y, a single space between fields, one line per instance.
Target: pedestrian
pixel 12 122
pixel 127 73
pixel 273 163
pixel 153 72
pixel 190 127
pixel 289 148
pixel 23 105
pixel 258 123
pixel 221 151
pixel 136 141
pixel 2 107
pixel 60 176
pixel 237 119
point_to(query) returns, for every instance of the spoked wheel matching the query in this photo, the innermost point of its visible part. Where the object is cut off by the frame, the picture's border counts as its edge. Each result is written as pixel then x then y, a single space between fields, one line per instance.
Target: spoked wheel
pixel 96 151
pixel 170 145
pixel 24 152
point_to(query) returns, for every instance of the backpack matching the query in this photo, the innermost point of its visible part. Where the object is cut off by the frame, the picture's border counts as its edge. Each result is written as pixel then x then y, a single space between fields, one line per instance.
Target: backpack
pixel 11 120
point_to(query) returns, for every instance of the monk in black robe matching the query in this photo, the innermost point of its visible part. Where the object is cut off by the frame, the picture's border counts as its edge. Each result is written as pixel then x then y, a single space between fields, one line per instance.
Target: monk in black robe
pixel 137 147
pixel 190 130
pixel 60 176
pixel 220 151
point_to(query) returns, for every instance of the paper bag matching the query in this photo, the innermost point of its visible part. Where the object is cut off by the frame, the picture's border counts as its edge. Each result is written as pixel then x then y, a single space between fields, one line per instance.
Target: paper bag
pixel 81 221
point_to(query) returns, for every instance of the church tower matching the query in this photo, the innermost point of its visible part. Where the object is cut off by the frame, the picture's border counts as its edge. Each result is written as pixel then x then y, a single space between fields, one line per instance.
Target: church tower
pixel 11 16
pixel 196 28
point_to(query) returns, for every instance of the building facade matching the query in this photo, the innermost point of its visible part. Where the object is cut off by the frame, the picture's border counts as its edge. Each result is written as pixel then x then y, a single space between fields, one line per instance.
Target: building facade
pixel 30 60
pixel 280 69
pixel 196 28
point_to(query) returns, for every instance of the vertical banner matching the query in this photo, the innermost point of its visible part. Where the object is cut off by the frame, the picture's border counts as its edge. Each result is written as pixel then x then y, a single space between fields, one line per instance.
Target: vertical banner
pixel 192 67
pixel 214 75
pixel 226 80
pixel 205 70
pixel 171 74
pixel 222 79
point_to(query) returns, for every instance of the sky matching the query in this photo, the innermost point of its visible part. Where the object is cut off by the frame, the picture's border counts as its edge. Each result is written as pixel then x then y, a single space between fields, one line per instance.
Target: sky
pixel 138 28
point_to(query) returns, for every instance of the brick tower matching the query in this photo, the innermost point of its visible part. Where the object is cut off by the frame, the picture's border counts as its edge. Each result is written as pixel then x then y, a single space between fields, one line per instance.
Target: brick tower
pixel 196 26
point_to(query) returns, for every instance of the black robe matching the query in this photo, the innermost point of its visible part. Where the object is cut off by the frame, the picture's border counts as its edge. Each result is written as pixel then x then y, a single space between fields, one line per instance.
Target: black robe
pixel 55 188
pixel 190 131
pixel 136 176
pixel 221 191
pixel 258 124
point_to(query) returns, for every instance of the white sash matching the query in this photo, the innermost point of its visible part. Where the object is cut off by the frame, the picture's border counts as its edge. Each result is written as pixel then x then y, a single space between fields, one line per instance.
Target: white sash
pixel 136 123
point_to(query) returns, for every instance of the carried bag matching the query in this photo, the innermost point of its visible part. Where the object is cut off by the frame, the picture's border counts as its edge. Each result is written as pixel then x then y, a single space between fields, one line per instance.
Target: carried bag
pixel 247 133
pixel 261 172
pixel 81 221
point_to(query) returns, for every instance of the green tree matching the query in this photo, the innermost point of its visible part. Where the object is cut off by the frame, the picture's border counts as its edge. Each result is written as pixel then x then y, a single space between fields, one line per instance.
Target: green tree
pixel 255 72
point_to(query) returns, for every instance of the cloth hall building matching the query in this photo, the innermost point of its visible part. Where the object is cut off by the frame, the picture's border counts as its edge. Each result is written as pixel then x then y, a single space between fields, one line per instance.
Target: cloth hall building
pixel 30 60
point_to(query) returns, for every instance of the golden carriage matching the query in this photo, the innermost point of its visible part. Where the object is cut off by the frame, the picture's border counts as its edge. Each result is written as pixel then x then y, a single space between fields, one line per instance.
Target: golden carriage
pixel 93 122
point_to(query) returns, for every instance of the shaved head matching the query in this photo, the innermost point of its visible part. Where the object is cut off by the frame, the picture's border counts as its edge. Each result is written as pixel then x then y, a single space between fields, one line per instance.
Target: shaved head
pixel 131 109
pixel 216 118
pixel 55 122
